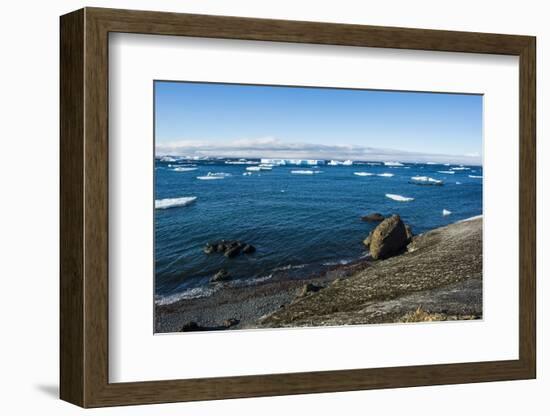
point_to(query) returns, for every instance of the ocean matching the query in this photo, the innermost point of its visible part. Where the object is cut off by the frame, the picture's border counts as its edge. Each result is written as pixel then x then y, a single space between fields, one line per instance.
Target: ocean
pixel 301 219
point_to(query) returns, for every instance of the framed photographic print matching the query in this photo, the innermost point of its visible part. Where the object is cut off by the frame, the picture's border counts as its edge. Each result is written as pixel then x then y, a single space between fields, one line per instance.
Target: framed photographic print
pixel 255 207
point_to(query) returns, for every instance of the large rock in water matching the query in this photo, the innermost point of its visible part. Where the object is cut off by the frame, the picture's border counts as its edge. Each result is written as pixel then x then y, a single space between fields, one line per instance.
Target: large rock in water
pixel 389 238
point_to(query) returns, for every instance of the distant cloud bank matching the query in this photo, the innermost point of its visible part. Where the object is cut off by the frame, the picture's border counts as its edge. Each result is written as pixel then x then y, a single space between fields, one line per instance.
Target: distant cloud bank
pixel 273 148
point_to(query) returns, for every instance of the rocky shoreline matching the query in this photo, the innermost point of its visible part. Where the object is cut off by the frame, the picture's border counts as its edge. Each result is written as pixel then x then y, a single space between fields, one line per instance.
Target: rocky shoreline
pixel 433 276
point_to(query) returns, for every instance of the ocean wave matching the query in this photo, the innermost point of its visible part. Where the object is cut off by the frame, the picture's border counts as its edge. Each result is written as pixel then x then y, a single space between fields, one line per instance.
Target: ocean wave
pixel 393 164
pixel 337 263
pixel 174 202
pixel 363 173
pixel 460 168
pixel 458 183
pixel 472 218
pixel 446 212
pixel 475 176
pixel 194 293
pixel 182 169
pixel 399 198
pixel 425 179
pixel 289 267
pixel 254 168
pixel 385 175
pixel 446 172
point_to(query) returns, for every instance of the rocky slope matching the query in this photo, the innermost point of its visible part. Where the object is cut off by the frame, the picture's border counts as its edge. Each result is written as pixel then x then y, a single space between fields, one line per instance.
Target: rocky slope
pixel 439 277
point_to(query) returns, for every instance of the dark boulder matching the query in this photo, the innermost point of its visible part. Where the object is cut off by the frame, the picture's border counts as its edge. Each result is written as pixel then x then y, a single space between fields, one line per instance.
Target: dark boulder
pixel 249 249
pixel 220 276
pixel 309 288
pixel 209 248
pixel 408 229
pixel 232 251
pixel 388 238
pixel 374 217
pixel 368 240
pixel 190 327
pixel 228 323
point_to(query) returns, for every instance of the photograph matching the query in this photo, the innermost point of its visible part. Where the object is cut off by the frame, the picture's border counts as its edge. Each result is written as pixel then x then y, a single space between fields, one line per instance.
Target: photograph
pixel 288 206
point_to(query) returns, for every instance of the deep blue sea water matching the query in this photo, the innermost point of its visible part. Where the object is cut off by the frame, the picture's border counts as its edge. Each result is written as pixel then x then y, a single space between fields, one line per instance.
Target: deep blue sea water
pixel 297 222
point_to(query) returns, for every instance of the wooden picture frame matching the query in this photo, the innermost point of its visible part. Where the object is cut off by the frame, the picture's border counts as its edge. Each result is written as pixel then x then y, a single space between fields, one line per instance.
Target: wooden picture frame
pixel 84 207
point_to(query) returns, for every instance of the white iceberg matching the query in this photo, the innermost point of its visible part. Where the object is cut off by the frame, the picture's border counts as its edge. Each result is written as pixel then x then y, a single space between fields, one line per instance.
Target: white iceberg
pixel 174 202
pixel 399 198
pixel 426 179
pixel 304 172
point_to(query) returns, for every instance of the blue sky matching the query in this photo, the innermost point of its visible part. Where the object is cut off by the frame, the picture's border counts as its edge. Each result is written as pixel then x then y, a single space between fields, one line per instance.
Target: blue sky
pixel 272 121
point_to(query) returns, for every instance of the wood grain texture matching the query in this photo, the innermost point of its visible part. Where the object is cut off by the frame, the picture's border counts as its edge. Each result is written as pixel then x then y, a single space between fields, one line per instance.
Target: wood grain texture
pixel 84 207
pixel 71 213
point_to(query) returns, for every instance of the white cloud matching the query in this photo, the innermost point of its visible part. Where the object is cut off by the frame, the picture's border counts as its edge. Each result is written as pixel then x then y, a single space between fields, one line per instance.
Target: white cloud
pixel 269 147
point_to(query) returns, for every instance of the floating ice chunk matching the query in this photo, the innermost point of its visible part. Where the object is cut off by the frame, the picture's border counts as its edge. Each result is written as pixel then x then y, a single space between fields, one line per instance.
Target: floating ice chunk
pixel 446 172
pixel 213 176
pixel 304 172
pixel 182 169
pixel 446 212
pixel 399 198
pixel 168 159
pixel 385 175
pixel 458 183
pixel 254 168
pixel 347 163
pixel 174 202
pixel 426 179
pixel 363 173
pixel 393 164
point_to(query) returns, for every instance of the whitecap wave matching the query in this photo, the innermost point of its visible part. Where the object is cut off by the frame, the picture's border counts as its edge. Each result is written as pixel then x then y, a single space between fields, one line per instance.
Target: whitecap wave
pixel 446 172
pixel 174 202
pixel 399 198
pixel 182 169
pixel 393 164
pixel 385 175
pixel 363 173
pixel 254 168
pixel 446 212
pixel 475 176
pixel 194 293
pixel 458 183
pixel 460 168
